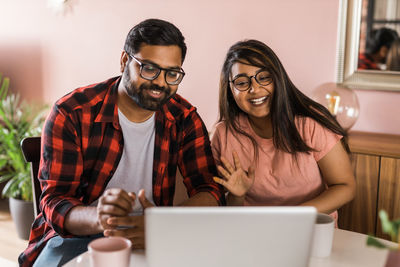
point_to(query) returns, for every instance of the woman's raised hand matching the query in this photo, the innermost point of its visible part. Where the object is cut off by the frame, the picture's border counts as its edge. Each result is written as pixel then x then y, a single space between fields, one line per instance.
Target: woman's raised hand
pixel 236 180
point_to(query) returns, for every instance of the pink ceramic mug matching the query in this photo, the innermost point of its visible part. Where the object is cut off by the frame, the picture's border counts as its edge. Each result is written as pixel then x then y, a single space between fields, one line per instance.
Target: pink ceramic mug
pixel 110 251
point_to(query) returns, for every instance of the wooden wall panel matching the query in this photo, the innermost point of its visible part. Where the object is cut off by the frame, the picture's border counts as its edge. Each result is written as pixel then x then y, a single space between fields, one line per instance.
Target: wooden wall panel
pixel 389 191
pixel 360 214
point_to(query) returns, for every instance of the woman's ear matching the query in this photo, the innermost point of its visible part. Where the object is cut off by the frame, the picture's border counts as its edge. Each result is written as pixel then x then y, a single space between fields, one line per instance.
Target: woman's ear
pixel 123 61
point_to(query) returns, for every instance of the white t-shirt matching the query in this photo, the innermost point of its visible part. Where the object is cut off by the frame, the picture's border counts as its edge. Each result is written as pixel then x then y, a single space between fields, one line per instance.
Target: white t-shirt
pixel 135 169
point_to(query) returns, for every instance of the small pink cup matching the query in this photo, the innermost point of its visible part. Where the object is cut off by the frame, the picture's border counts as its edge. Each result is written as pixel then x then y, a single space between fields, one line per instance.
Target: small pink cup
pixel 110 251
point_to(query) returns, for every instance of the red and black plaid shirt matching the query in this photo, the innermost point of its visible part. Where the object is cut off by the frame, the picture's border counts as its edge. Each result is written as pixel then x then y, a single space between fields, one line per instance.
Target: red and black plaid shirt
pixel 365 62
pixel 82 144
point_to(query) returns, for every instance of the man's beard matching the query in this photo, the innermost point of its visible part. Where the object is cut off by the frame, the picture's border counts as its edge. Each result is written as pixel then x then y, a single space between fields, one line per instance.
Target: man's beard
pixel 143 100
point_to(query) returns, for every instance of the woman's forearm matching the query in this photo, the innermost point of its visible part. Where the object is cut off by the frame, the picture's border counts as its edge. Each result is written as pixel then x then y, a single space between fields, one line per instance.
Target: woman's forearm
pixel 332 199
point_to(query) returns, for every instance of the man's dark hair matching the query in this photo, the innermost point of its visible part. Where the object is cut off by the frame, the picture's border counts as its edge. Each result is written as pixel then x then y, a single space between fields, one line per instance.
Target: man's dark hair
pixel 378 38
pixel 154 32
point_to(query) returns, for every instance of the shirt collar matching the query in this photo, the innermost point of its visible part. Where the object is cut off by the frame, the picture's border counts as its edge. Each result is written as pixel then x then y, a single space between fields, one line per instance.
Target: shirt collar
pixel 109 108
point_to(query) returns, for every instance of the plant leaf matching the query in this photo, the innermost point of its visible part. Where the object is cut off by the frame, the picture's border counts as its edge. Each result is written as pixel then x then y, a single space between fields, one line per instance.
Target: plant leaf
pixel 387 226
pixel 4 86
pixel 372 241
pixel 3 162
pixel 5 177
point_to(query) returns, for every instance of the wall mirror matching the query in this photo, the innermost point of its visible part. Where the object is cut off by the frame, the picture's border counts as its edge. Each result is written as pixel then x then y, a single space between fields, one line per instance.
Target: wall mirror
pixel 357 19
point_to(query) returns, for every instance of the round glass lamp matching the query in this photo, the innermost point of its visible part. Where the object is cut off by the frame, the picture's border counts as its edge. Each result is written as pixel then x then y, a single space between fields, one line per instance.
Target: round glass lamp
pixel 341 102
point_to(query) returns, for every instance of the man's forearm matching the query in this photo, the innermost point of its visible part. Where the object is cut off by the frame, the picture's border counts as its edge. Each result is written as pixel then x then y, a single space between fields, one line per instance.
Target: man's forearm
pixel 201 199
pixel 82 220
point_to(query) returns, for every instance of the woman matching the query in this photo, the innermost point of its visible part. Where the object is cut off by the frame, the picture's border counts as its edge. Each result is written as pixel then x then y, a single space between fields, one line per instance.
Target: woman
pixel 273 145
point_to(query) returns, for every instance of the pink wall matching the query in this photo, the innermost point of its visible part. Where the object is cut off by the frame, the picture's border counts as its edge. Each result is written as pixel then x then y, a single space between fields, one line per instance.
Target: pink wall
pixel 48 55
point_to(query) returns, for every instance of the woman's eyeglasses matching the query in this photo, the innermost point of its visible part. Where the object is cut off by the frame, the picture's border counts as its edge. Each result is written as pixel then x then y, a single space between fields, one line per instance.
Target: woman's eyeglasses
pixel 243 83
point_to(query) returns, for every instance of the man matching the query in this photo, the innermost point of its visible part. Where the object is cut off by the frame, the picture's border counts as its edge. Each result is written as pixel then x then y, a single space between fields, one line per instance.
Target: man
pixel 129 132
pixel 376 49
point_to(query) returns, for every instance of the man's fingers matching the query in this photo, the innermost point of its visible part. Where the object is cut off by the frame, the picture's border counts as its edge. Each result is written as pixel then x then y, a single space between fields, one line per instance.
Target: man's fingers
pixel 117 197
pixel 133 233
pixel 128 232
pixel 112 210
pixel 120 193
pixel 108 203
pixel 103 221
pixel 143 200
pixel 130 221
pixel 132 195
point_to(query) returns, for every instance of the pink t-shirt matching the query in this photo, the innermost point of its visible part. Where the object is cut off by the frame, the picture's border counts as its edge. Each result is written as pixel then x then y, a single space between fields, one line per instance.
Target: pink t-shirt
pixel 280 180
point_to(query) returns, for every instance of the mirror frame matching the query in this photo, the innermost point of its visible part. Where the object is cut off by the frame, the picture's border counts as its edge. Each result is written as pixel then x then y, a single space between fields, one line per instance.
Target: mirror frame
pixel 347 54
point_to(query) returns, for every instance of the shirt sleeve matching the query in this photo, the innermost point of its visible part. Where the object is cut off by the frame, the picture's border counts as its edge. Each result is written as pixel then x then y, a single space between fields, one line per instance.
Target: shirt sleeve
pixel 320 138
pixel 60 169
pixel 196 160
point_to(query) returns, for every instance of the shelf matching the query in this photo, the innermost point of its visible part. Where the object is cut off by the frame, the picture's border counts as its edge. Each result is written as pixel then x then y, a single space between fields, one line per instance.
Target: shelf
pixel 387 145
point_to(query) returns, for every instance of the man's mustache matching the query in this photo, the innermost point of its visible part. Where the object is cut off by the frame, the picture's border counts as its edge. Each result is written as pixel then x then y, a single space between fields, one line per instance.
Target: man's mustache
pixel 154 87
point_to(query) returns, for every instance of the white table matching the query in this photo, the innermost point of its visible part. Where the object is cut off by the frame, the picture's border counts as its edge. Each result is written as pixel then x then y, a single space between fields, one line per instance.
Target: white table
pixel 7 263
pixel 349 249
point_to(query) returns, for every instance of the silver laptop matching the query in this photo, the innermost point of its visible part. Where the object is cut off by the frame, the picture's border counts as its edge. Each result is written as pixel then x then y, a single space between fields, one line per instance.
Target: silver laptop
pixel 229 236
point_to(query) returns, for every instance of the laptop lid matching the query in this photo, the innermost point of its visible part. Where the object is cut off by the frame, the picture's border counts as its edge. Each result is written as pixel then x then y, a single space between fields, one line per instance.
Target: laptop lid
pixel 229 236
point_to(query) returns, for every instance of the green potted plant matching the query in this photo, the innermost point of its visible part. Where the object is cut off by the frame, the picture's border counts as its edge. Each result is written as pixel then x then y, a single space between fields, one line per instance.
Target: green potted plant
pixel 392 228
pixel 18 120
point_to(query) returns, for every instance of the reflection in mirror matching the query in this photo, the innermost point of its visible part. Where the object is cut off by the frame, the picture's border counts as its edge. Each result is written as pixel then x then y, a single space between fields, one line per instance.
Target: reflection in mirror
pixel 379 30
pixel 352 14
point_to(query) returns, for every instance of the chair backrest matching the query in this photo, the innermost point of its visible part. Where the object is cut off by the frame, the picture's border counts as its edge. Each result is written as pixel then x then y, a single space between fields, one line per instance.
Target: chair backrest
pixel 30 147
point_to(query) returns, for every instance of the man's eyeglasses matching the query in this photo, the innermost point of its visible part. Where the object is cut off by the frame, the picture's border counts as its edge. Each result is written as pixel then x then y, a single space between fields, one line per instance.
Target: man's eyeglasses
pixel 243 83
pixel 151 71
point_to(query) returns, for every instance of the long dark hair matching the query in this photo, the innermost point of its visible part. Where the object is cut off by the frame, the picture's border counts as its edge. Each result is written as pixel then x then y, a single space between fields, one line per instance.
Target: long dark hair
pixel 287 101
